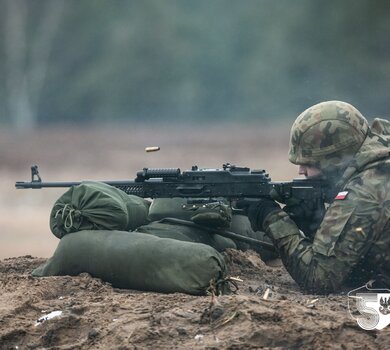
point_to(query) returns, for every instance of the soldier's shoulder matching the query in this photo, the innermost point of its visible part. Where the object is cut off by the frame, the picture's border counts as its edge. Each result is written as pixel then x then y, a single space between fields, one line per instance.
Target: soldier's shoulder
pixel 373 177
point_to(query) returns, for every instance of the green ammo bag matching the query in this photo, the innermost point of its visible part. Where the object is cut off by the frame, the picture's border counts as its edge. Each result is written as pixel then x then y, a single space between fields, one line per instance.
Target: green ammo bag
pixel 138 261
pixel 96 206
pixel 216 214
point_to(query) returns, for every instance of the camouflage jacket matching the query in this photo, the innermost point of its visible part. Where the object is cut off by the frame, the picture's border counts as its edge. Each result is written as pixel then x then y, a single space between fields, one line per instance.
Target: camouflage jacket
pixel 352 244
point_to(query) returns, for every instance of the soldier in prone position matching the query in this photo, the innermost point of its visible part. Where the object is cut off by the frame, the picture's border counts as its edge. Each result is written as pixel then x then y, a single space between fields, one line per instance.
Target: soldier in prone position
pixel 352 244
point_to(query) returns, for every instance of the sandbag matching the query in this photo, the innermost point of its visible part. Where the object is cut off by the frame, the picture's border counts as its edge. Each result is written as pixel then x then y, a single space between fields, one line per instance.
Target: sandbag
pixel 169 228
pixel 137 209
pixel 138 261
pixel 95 205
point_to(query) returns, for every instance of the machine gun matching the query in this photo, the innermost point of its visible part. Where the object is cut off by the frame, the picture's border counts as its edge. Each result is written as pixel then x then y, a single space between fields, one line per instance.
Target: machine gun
pixel 200 185
pixel 230 182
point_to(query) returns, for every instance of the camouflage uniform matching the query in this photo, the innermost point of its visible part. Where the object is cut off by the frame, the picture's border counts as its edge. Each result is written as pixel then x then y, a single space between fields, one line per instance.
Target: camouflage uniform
pixel 352 244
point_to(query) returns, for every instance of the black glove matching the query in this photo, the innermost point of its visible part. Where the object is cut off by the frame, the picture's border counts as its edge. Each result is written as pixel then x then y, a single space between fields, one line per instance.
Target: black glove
pixel 307 215
pixel 257 210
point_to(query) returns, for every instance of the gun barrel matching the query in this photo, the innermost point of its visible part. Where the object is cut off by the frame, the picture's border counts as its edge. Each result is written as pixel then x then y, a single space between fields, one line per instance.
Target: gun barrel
pixel 40 184
pixel 230 182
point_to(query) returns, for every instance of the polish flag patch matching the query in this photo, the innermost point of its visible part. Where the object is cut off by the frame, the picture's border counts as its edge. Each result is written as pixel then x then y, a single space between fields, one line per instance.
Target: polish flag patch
pixel 342 195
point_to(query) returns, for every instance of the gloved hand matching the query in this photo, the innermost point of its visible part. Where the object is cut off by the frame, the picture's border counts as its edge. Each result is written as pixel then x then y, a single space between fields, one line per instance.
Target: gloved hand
pixel 306 214
pixel 257 210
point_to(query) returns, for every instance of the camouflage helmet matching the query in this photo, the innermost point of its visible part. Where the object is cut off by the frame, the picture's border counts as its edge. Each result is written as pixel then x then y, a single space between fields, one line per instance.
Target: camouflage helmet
pixel 327 135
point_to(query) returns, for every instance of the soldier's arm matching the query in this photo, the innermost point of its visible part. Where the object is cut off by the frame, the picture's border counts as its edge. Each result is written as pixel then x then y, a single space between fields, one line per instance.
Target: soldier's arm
pixel 344 237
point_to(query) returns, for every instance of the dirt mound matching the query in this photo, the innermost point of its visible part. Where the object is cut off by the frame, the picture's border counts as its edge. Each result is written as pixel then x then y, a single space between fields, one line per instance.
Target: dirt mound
pixel 82 312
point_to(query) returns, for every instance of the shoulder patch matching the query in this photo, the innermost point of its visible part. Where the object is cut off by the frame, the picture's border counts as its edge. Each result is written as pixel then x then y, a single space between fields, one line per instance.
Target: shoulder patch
pixel 341 195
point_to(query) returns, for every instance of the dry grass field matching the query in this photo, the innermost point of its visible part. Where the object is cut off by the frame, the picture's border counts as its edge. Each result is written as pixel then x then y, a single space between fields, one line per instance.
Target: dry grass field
pixel 106 152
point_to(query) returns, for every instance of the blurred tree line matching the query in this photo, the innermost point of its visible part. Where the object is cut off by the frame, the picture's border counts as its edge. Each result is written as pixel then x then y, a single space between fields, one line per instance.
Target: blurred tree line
pixel 157 60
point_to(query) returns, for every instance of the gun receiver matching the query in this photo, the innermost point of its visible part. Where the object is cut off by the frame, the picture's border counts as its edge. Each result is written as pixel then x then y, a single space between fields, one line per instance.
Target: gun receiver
pixel 230 182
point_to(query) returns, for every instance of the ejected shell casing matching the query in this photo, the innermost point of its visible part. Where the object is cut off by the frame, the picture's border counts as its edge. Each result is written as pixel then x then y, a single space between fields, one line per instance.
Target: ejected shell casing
pixel 152 149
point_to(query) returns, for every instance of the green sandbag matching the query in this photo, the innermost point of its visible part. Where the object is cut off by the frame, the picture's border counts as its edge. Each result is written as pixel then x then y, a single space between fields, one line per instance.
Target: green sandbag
pixel 138 261
pixel 166 229
pixel 137 209
pixel 96 206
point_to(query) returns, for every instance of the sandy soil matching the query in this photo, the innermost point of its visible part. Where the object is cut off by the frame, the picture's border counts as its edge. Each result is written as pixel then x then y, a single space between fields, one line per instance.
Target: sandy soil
pixel 96 316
